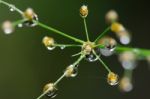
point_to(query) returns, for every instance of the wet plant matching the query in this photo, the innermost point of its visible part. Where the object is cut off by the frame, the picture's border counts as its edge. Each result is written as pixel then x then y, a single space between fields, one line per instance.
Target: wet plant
pixel 91 51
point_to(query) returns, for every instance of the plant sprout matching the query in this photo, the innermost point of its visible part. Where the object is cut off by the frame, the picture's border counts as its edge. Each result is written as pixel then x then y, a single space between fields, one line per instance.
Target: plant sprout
pixel 90 50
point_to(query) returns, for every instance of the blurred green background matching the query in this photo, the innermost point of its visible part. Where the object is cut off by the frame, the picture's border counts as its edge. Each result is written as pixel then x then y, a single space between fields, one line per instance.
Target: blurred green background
pixel 26 65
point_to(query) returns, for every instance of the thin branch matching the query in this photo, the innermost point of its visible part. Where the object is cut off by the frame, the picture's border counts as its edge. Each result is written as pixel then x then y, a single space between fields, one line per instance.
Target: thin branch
pixel 11 6
pixel 86 30
pixel 102 34
pixel 59 32
pixel 106 67
pixel 57 81
pixel 67 45
pixel 43 25
pixel 138 51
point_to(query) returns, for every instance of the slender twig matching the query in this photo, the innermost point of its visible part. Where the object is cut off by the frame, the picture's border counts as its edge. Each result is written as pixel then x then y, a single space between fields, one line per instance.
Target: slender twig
pixel 12 6
pixel 86 30
pixel 106 67
pixel 138 51
pixel 67 45
pixel 43 25
pixel 128 73
pixel 100 46
pixel 59 32
pixel 102 34
pixel 57 81
pixel 18 22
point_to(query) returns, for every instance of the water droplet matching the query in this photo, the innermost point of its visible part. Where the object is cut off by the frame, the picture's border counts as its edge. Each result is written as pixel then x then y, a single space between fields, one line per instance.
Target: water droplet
pixel 63 47
pixel 91 57
pixel 31 23
pixel 20 25
pixel 52 94
pixel 71 71
pixel 12 8
pixel 106 52
pixel 125 39
pixel 51 48
pixel 110 45
pixel 128 60
pixel 112 79
pixel 130 65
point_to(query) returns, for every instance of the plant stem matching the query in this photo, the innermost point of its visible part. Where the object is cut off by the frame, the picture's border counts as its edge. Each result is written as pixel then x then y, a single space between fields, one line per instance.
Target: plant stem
pixel 18 22
pixel 67 45
pixel 59 32
pixel 12 6
pixel 102 34
pixel 100 46
pixel 86 30
pixel 57 81
pixel 106 67
pixel 138 51
pixel 128 73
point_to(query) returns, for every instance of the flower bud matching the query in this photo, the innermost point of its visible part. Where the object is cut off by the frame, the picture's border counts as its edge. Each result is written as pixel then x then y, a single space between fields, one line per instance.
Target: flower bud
pixel 117 27
pixel 125 84
pixel 49 42
pixel 112 79
pixel 51 90
pixel 7 27
pixel 84 11
pixel 71 71
pixel 111 16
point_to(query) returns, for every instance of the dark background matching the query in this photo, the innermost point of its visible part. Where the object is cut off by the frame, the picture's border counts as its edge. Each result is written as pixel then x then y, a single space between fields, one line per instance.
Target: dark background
pixel 26 66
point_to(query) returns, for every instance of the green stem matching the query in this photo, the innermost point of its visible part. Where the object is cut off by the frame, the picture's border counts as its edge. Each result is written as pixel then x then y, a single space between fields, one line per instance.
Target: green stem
pixel 74 64
pixel 128 73
pixel 138 51
pixel 100 46
pixel 59 32
pixel 106 67
pixel 67 45
pixel 12 6
pixel 102 34
pixel 18 22
pixel 86 30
